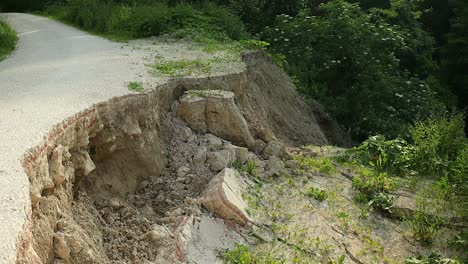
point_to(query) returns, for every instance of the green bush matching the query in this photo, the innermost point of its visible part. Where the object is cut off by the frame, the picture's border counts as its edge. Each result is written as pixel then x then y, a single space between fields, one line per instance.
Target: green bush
pixel 392 156
pixel 122 20
pixel 459 174
pixel 372 183
pixel 433 258
pixel 438 141
pixel 317 194
pixel 347 59
pixel 439 149
pixel 8 39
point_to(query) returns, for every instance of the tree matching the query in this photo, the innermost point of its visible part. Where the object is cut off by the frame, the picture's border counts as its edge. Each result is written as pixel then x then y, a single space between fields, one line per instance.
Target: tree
pixel 349 60
pixel 455 54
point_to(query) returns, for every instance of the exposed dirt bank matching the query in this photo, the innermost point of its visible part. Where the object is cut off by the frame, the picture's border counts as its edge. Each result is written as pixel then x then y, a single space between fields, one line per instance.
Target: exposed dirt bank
pixel 117 182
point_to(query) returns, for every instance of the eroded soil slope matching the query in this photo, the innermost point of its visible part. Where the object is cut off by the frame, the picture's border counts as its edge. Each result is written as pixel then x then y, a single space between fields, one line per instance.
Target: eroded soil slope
pixel 119 182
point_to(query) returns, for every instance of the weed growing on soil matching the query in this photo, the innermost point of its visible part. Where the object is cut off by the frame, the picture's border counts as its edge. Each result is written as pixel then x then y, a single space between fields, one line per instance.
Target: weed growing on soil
pixel 433 258
pixel 241 254
pixel 339 260
pixel 427 219
pixel 317 194
pixel 135 86
pixel 250 167
pixel 344 220
pixel 182 68
pixel 323 165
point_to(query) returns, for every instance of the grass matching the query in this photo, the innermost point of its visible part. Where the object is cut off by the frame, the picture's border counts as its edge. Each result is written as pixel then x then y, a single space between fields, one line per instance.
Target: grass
pixel 323 165
pixel 317 194
pixel 8 39
pixel 120 21
pixel 241 254
pixel 181 68
pixel 135 86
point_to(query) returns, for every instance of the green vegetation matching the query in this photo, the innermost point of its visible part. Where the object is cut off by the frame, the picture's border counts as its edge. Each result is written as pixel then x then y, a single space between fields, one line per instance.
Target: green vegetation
pixel 364 84
pixel 250 167
pixel 135 86
pixel 317 194
pixel 139 19
pixel 393 72
pixel 433 258
pixel 8 39
pixel 184 67
pixel 242 254
pixel 436 160
pixel 324 164
pixel 439 150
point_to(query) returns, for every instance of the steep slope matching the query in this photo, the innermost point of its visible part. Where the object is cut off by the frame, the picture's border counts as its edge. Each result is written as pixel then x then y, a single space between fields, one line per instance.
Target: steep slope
pixel 104 153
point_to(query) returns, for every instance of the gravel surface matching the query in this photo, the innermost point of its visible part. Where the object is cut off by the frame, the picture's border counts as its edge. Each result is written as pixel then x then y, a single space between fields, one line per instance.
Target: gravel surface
pixel 55 72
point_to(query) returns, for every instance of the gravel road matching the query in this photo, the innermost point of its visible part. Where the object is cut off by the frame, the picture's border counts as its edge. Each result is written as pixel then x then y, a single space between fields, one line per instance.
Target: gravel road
pixel 55 72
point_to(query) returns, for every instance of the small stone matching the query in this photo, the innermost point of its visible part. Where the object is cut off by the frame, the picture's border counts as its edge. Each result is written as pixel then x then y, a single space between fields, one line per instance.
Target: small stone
pixel 259 146
pixel 200 155
pixel 188 180
pixel 56 168
pixel 115 202
pixel 275 167
pixel 148 209
pixel 62 250
pixel 180 179
pixel 242 154
pixel 214 141
pixel 291 164
pixel 158 233
pixel 183 171
pixel 176 212
pixel 186 133
pixel 190 201
pixel 144 184
pixel 219 160
pixel 83 162
pixel 274 148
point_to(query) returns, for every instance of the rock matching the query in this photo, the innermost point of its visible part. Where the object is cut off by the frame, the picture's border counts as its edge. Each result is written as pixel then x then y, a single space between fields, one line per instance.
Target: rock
pixel 83 162
pixel 274 148
pixel 200 155
pixel 216 112
pixel 192 110
pixel 219 160
pixel 237 153
pixel 223 196
pixel 183 171
pixel 56 169
pixel 259 146
pixel 144 184
pixel 213 141
pixel 291 164
pixel 115 202
pixel 158 233
pixel 176 212
pixel 275 167
pixel 186 133
pixel 266 135
pixel 62 250
pixel 252 156
pixel 242 154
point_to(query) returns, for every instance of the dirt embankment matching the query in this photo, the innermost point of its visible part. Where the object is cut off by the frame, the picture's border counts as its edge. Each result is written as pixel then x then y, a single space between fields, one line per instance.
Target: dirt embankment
pixel 118 182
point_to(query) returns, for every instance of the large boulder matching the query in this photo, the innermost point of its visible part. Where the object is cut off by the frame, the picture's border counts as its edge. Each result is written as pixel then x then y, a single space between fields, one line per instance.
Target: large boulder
pixel 216 112
pixel 223 197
